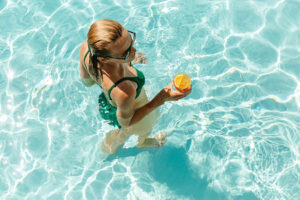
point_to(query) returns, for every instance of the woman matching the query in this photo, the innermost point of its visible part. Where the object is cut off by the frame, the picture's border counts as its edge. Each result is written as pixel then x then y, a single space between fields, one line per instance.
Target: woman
pixel 105 59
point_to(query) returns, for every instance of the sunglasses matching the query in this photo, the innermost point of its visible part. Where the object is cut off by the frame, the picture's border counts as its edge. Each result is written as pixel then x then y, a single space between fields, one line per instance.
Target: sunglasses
pixel 127 52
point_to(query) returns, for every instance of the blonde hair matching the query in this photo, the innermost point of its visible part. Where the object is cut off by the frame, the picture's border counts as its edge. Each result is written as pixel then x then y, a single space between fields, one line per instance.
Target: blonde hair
pixel 101 34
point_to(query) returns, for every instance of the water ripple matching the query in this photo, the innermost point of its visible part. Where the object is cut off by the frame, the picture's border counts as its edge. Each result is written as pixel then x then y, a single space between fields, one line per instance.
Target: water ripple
pixel 235 137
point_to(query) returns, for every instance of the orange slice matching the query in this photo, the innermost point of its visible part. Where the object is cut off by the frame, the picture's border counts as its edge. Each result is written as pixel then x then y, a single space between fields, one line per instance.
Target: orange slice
pixel 182 82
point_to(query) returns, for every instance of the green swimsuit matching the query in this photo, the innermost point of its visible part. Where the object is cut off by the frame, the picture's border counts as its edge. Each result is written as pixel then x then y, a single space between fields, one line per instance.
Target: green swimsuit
pixel 109 112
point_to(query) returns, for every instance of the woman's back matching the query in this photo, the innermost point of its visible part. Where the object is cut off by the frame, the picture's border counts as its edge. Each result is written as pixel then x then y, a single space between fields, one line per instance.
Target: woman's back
pixel 110 75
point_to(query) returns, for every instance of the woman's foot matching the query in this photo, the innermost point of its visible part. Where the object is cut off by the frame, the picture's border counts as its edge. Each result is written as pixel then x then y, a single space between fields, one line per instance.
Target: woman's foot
pixel 156 141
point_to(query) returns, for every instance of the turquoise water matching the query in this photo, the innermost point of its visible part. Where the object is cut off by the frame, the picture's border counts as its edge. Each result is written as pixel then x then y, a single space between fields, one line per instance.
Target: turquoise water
pixel 235 137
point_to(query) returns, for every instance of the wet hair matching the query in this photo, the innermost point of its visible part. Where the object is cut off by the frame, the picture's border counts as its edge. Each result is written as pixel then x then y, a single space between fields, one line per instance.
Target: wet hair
pixel 101 34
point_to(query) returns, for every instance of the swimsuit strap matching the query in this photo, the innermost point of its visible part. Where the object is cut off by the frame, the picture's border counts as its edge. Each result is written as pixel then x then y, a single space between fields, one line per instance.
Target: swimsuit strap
pixel 85 56
pixel 139 79
pixel 84 60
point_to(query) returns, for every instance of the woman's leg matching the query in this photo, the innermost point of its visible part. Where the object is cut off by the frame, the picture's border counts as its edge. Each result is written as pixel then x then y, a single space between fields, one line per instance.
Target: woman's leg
pixel 114 140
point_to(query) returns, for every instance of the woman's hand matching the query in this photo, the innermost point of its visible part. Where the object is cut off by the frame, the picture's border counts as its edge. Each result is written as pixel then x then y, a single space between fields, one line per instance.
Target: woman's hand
pixel 169 94
pixel 140 58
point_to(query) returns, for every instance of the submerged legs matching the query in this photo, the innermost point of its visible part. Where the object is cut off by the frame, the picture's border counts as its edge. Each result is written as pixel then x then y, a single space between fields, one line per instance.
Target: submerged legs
pixel 117 138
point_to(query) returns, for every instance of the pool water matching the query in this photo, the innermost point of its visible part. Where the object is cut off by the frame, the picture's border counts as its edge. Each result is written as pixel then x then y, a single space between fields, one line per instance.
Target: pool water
pixel 236 136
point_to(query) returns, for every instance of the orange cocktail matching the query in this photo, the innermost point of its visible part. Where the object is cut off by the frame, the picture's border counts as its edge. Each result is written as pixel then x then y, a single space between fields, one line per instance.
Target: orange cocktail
pixel 182 82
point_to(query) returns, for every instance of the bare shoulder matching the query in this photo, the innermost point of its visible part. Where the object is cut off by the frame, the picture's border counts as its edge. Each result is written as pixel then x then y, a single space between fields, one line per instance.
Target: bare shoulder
pixel 123 93
pixel 124 96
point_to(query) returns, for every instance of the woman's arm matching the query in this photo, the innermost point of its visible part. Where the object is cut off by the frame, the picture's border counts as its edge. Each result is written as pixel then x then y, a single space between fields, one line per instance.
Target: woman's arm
pixel 140 58
pixel 126 114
